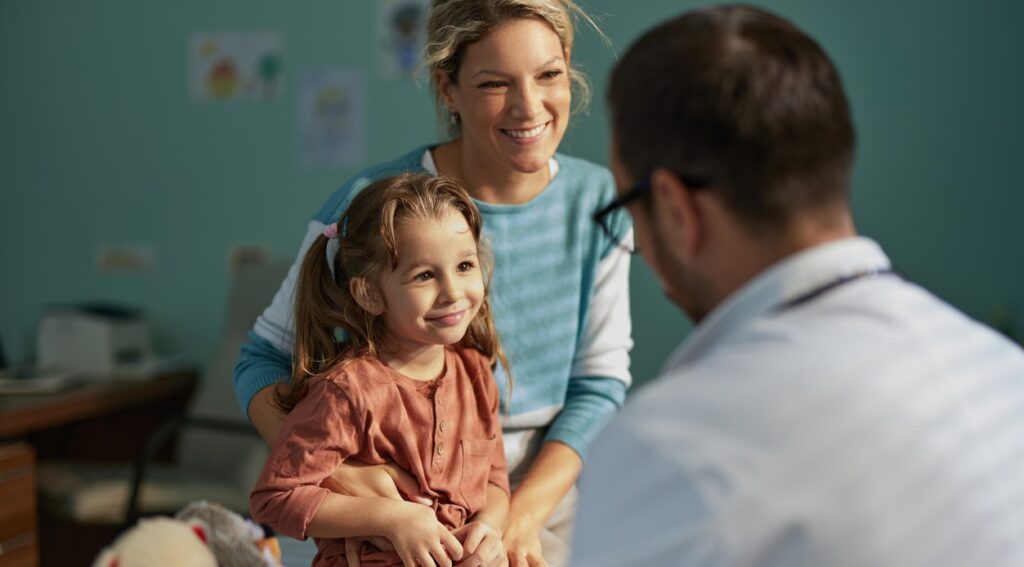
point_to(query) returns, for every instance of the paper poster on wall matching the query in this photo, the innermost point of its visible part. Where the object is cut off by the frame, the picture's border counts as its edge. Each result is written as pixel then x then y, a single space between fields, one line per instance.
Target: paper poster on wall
pixel 332 117
pixel 235 66
pixel 401 34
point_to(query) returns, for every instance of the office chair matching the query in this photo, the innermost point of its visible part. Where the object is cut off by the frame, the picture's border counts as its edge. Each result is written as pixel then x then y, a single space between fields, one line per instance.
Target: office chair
pixel 218 457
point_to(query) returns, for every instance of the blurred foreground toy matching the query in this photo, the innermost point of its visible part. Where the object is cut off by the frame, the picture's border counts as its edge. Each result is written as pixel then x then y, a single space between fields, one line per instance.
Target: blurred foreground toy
pixel 159 541
pixel 202 534
pixel 235 542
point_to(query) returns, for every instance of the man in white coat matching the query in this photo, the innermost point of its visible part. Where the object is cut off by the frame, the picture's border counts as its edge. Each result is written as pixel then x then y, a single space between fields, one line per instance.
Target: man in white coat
pixel 824 410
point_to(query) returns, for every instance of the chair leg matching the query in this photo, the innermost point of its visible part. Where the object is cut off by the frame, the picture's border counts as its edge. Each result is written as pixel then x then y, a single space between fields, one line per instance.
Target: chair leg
pixel 156 442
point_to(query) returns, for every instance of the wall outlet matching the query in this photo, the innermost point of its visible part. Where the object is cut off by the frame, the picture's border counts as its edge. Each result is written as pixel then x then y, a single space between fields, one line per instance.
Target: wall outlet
pixel 126 258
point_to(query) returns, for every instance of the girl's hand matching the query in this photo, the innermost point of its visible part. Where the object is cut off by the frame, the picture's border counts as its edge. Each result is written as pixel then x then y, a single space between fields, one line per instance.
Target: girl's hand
pixel 522 543
pixel 419 539
pixel 481 545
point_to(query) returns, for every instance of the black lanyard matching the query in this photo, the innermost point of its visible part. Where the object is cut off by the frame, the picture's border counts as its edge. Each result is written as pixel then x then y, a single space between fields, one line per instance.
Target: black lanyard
pixel 825 288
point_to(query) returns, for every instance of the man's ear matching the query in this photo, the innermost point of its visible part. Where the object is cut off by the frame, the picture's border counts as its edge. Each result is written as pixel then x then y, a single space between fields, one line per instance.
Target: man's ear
pixel 366 296
pixel 678 213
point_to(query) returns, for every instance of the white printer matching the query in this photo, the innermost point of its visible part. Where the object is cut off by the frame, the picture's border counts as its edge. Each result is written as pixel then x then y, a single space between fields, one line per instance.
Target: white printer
pixel 93 339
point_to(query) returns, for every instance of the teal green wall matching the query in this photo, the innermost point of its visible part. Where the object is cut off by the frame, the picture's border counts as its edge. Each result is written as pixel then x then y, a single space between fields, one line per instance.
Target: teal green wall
pixel 100 143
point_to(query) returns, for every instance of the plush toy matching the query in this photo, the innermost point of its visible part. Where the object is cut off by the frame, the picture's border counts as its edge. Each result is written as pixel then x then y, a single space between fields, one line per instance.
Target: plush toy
pixel 235 542
pixel 159 541
pixel 202 534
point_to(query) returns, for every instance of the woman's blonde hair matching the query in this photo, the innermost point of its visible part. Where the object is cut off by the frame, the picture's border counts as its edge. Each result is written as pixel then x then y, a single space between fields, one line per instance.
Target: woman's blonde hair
pixel 367 248
pixel 456 24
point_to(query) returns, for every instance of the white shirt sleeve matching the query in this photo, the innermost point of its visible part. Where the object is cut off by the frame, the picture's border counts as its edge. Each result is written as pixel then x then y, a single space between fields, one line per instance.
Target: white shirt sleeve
pixel 277 322
pixel 607 338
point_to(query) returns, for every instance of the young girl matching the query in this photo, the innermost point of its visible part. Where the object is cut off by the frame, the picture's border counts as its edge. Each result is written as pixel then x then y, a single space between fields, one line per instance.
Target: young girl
pixel 405 275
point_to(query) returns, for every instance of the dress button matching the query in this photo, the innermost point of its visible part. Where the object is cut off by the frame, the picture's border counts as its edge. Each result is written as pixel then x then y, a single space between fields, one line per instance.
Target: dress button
pixel 443 426
pixel 440 448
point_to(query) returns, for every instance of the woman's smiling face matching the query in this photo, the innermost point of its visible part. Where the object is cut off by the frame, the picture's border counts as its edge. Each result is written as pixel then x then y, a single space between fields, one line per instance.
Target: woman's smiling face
pixel 513 96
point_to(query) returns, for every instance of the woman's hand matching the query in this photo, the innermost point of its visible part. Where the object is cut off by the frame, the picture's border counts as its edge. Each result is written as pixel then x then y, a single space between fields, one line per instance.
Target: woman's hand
pixel 353 478
pixel 481 546
pixel 522 543
pixel 548 480
pixel 418 538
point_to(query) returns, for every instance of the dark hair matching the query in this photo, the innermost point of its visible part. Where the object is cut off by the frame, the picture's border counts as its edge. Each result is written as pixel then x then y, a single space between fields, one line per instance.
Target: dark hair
pixel 367 247
pixel 743 100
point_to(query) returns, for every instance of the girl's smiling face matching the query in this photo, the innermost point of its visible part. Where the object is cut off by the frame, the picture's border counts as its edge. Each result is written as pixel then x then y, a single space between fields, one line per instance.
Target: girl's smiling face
pixel 437 287
pixel 513 96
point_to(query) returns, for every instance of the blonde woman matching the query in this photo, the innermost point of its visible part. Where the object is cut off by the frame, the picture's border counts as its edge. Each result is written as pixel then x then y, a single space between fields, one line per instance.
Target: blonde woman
pixel 504 82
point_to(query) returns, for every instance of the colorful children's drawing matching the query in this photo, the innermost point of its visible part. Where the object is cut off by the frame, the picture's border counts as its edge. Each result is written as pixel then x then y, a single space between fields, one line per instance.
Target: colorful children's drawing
pixel 235 66
pixel 401 34
pixel 332 112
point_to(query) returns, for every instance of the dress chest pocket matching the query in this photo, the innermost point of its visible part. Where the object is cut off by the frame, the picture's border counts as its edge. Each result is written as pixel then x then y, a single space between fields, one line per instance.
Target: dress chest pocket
pixel 476 469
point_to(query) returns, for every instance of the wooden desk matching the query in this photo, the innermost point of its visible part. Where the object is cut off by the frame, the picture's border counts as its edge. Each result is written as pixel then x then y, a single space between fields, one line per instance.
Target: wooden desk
pixel 19 546
pixel 94 421
pixel 24 413
pixel 84 421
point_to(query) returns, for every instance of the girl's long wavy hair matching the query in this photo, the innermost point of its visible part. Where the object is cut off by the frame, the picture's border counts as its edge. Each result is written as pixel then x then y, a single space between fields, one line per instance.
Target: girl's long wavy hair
pixel 367 249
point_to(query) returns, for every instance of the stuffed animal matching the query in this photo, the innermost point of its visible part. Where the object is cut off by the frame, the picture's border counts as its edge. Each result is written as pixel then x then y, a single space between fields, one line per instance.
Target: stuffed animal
pixel 235 542
pixel 202 534
pixel 159 541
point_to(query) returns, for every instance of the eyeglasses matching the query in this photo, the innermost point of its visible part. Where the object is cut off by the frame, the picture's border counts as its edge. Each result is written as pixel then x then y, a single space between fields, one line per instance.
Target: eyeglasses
pixel 641 189
pixel 601 217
